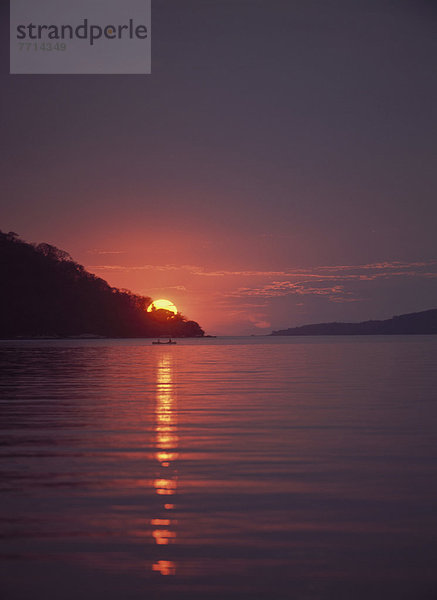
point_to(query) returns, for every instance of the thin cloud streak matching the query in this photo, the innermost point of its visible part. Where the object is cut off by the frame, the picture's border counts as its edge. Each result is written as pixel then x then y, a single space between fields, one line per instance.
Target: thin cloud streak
pixel 96 251
pixel 334 272
pixel 332 282
pixel 335 293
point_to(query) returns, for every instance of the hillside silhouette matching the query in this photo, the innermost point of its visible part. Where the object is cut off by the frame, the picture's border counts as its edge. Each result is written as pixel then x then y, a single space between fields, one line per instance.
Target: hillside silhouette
pixel 424 322
pixel 46 293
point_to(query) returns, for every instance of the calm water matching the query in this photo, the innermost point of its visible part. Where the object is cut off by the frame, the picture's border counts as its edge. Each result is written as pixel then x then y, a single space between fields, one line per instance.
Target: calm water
pixel 284 468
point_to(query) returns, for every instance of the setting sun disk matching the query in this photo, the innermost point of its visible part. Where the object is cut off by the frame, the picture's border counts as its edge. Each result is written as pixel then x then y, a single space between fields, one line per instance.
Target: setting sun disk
pixel 162 304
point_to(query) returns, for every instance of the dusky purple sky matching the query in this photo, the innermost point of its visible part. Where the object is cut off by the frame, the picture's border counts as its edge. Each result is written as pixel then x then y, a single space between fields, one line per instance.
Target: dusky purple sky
pixel 277 168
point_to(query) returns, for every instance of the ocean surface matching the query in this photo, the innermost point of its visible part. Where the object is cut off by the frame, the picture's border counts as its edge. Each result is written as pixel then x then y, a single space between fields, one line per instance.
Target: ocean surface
pixel 249 468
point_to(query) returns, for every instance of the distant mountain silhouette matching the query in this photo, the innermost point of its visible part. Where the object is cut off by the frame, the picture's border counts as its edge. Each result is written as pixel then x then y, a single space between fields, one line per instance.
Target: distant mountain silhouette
pixel 45 293
pixel 413 323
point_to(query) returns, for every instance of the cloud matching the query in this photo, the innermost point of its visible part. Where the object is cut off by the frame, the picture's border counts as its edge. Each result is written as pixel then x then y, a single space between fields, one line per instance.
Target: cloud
pixel 260 321
pixel 97 251
pixel 329 281
pixel 180 288
pixel 125 268
pixel 335 293
pixel 366 271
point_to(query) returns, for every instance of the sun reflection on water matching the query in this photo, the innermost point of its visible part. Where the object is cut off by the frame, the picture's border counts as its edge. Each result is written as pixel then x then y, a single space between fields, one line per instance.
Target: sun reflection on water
pixel 166 444
pixel 165 567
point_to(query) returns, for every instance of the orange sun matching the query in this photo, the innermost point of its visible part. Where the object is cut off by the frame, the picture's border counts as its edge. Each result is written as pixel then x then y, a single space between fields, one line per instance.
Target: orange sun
pixel 162 304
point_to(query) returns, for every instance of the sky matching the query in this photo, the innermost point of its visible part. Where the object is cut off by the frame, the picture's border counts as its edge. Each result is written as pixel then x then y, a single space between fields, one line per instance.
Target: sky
pixel 277 167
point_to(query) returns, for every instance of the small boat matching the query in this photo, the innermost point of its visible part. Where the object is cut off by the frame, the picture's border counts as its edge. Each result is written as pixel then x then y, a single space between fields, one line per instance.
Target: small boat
pixel 170 341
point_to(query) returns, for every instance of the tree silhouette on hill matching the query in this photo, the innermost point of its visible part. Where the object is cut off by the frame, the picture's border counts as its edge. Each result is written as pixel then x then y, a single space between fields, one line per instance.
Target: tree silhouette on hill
pixel 46 293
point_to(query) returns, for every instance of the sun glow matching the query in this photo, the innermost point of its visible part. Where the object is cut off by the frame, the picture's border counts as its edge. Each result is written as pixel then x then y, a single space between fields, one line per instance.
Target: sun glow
pixel 162 304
